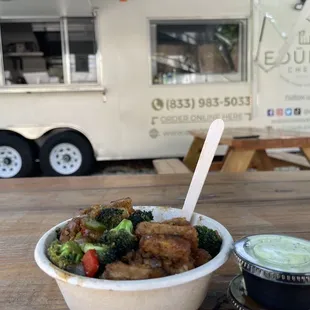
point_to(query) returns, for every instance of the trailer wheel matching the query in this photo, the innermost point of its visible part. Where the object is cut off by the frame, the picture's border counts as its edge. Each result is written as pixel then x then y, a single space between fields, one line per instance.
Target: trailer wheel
pixel 16 156
pixel 66 154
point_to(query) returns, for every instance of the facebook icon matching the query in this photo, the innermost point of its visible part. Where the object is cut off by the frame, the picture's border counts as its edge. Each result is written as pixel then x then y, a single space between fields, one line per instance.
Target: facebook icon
pixel 270 112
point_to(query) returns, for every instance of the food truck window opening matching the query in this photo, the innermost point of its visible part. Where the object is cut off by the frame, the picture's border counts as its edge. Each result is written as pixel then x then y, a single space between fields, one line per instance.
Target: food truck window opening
pixel 62 51
pixel 82 49
pixel 196 52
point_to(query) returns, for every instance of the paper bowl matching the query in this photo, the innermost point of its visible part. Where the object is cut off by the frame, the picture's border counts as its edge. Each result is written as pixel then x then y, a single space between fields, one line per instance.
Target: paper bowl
pixel 185 291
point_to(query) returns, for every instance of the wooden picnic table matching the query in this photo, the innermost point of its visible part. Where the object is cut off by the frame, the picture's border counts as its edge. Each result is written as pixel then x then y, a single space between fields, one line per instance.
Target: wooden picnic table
pixel 249 203
pixel 247 148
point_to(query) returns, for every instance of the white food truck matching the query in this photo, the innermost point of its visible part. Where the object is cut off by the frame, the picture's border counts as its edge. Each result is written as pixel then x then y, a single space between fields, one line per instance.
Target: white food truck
pixel 87 80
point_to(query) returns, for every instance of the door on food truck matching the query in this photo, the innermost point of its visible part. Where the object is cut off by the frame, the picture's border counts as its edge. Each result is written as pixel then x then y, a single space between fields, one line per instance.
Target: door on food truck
pixel 178 66
pixel 283 93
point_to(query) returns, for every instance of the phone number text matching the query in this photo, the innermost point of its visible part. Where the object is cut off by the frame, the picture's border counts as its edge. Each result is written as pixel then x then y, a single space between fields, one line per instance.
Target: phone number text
pixel 209 102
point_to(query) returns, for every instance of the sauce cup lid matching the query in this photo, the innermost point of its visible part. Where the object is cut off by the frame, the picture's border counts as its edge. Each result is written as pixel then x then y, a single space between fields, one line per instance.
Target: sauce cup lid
pixel 278 258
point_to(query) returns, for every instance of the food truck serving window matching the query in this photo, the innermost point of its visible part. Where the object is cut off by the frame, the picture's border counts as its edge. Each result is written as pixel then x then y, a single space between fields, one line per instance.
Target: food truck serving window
pixel 49 52
pixel 194 52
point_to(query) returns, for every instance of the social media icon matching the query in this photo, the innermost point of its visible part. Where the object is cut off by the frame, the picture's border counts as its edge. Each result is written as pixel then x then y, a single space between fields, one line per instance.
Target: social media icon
pixel 288 111
pixel 297 111
pixel 154 133
pixel 270 112
pixel 279 112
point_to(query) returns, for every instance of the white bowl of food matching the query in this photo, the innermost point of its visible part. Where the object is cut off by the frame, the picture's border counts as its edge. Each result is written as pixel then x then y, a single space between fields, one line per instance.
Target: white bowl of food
pixel 167 269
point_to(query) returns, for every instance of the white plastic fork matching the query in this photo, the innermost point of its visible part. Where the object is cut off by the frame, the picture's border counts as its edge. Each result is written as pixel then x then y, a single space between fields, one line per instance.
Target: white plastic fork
pixel 203 166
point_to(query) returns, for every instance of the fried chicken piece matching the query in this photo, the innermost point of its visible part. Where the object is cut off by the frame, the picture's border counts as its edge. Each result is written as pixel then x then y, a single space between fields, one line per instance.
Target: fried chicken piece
pixel 152 262
pixel 201 257
pixel 132 257
pixel 187 232
pixel 168 247
pixel 121 271
pixel 179 221
pixel 124 203
pixel 70 230
pixel 92 211
pixel 178 267
pixel 139 257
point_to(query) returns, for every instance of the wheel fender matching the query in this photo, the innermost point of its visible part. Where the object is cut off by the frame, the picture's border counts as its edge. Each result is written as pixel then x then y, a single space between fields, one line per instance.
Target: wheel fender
pixel 30 133
pixel 36 132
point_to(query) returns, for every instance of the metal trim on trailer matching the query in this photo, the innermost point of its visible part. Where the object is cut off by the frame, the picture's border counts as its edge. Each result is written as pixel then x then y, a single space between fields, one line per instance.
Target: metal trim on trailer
pixel 2 77
pixel 244 64
pixel 28 19
pixel 52 89
pixel 254 68
pixel 65 50
pixel 98 52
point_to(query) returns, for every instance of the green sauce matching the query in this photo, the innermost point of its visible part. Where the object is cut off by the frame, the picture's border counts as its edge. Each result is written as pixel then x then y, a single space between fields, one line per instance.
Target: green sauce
pixel 276 252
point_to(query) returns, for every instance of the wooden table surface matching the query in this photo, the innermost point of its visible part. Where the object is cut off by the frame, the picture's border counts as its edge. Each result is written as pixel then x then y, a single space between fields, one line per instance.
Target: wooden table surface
pixel 255 202
pixel 267 138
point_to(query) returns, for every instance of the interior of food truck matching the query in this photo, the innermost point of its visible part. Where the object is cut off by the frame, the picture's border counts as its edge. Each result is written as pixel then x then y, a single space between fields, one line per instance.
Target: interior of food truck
pixel 32 51
pixel 197 51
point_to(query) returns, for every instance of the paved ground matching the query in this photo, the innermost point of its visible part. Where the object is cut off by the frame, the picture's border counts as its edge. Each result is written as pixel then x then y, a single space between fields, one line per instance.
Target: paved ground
pixel 117 167
pixel 125 167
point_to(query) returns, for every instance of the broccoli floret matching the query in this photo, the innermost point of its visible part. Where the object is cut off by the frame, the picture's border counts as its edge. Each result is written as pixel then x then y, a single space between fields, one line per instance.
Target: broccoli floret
pixel 94 225
pixel 106 254
pixel 110 217
pixel 121 238
pixel 63 255
pixel 209 240
pixel 140 216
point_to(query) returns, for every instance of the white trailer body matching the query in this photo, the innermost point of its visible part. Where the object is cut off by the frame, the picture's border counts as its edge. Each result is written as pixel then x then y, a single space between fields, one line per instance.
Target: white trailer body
pixel 131 78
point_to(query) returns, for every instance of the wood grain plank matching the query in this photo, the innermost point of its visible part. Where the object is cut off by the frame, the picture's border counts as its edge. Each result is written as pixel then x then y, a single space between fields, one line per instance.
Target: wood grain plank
pixel 193 154
pixel 238 160
pixel 306 152
pixel 262 161
pixel 289 159
pixel 170 166
pixel 212 193
pixel 162 166
pixel 133 181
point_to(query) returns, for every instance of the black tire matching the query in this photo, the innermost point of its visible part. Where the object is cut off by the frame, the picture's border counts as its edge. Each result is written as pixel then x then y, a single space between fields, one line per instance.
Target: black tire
pixel 75 139
pixel 24 149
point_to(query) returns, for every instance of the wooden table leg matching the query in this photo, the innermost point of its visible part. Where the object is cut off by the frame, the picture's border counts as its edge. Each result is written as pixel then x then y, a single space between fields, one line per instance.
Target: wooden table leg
pixel 262 162
pixel 306 152
pixel 238 160
pixel 192 156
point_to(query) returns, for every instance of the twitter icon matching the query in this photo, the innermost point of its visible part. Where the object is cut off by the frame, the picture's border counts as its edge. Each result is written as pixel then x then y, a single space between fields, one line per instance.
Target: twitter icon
pixel 288 112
